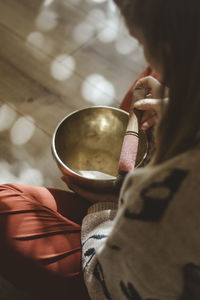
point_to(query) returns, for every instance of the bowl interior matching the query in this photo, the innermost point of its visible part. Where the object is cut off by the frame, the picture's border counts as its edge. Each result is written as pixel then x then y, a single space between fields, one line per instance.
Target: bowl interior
pixel 89 142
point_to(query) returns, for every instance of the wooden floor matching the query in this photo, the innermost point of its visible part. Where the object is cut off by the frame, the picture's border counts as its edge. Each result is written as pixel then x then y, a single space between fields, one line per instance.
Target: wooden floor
pixel 56 56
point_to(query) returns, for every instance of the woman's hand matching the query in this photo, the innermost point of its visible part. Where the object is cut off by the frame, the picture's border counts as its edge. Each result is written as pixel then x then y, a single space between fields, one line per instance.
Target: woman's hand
pixel 151 104
pixel 91 196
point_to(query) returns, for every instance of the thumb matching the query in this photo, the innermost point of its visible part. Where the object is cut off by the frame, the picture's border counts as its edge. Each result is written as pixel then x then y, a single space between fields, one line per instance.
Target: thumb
pixel 151 84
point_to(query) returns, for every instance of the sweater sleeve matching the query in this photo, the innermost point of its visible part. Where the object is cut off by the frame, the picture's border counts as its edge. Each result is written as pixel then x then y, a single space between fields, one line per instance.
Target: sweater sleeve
pixel 96 228
pixel 140 252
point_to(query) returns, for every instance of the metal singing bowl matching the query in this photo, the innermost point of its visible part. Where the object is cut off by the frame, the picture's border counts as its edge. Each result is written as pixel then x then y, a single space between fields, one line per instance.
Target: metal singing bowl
pixel 87 144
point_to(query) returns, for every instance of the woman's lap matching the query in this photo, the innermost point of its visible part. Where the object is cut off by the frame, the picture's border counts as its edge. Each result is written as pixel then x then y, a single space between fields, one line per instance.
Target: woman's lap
pixel 34 236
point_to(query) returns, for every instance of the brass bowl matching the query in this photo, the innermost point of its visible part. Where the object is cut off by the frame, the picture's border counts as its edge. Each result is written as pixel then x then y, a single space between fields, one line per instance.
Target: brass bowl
pixel 87 144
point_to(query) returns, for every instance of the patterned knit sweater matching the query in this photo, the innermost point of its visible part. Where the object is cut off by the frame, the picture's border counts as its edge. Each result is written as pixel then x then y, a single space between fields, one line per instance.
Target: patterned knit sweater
pixel 149 247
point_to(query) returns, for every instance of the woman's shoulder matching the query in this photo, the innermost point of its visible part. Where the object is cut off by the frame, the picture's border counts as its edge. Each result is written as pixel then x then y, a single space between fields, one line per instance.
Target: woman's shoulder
pixel 177 178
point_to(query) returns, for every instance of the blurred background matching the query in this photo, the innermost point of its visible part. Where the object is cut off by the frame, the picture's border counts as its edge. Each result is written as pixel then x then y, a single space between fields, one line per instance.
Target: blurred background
pixel 56 56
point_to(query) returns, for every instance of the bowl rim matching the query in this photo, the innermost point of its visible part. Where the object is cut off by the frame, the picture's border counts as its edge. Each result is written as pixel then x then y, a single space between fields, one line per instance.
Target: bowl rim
pixel 53 147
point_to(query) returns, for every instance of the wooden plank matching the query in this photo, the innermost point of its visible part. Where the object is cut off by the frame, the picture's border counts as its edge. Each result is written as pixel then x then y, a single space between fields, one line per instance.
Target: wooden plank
pixel 30 97
pixel 56 25
pixel 14 50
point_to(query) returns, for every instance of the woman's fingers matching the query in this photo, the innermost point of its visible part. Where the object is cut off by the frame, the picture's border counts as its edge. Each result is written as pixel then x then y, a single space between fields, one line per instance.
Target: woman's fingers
pixel 149 122
pixel 151 84
pixel 147 104
pixel 147 115
pixel 151 105
pixel 150 109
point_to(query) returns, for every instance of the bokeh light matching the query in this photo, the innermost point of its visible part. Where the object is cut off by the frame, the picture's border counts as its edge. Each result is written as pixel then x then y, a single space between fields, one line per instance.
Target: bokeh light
pixel 7 117
pixel 96 1
pixel 107 35
pixel 97 90
pixel 6 174
pixel 47 2
pixel 22 130
pixel 36 39
pixel 96 14
pixel 112 7
pixel 74 2
pixel 83 32
pixel 46 20
pixel 125 45
pixel 62 67
pixel 20 172
pixel 39 45
pixel 31 176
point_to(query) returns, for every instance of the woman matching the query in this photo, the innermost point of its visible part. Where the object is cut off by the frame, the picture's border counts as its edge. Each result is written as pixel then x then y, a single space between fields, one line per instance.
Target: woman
pixel 148 247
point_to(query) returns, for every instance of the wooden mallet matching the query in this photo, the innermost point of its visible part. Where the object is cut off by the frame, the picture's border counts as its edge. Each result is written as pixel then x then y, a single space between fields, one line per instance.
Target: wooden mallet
pixel 131 139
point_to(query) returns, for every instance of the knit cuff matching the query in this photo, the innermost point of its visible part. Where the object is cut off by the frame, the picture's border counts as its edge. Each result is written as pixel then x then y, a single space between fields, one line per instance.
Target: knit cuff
pixel 102 206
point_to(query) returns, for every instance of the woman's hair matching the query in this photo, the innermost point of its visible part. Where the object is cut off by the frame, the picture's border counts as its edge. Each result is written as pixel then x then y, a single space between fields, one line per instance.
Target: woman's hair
pixel 171 29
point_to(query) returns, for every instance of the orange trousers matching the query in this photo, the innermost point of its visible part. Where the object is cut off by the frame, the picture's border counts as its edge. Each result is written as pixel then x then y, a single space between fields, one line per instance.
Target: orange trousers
pixel 40 247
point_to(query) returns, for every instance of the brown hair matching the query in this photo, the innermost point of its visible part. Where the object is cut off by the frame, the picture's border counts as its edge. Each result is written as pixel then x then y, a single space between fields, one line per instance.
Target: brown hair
pixel 175 23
